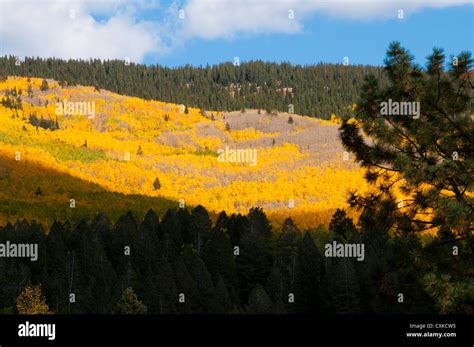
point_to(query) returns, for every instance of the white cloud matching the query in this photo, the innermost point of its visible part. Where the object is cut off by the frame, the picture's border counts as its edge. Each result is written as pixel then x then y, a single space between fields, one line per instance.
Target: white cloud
pixel 212 19
pixel 67 29
pixel 215 19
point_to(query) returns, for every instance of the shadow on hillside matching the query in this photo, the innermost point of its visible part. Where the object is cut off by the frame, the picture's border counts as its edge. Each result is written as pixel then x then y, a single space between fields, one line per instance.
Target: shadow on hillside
pixel 33 191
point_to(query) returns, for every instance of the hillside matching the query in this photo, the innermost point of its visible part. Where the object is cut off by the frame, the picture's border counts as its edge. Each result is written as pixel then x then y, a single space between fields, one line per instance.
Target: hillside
pixel 164 151
pixel 314 90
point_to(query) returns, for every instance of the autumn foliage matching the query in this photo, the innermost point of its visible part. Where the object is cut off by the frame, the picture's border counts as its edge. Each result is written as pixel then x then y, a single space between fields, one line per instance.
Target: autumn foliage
pixel 130 142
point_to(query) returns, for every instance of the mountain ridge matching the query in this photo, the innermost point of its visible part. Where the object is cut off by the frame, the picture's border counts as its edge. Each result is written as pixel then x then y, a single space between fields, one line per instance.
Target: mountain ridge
pixel 312 90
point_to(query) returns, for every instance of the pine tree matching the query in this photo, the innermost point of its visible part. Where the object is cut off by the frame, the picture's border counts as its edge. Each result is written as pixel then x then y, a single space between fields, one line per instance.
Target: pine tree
pixel 200 227
pixel 44 85
pixel 254 262
pixel 56 283
pixel 286 252
pixel 428 155
pixel 201 277
pixel 259 302
pixel 259 222
pixel 218 256
pixel 223 303
pixel 171 234
pixel 156 184
pixel 187 287
pixel 343 286
pixel 309 277
pixel 166 287
pixel 343 226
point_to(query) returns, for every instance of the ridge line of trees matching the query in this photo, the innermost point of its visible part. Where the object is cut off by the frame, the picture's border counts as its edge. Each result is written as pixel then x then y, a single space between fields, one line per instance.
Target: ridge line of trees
pixel 315 90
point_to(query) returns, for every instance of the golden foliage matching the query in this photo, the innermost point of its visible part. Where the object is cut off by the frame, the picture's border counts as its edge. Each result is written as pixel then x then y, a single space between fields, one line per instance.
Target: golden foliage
pixel 32 301
pixel 180 149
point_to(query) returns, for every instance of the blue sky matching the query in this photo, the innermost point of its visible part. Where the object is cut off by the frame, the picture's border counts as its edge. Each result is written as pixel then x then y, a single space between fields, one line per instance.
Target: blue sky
pixel 201 32
pixel 331 39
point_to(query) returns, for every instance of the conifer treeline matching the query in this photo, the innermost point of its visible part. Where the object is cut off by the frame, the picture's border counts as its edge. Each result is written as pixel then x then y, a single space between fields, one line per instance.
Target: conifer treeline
pixel 184 253
pixel 314 90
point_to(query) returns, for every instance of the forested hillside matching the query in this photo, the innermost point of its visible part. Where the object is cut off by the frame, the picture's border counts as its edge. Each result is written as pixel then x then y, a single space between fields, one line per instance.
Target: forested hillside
pixel 315 90
pixel 157 149
pixel 183 263
pixel 408 179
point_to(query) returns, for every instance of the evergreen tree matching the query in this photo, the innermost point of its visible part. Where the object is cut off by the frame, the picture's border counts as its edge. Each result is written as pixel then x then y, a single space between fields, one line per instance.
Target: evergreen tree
pixel 343 226
pixel 259 223
pixel 286 253
pixel 427 155
pixel 310 277
pixel 156 184
pixel 187 290
pixel 254 261
pixel 200 226
pixel 201 277
pixel 223 303
pixel 44 85
pixel 151 223
pixel 219 258
pixel 166 287
pixel 56 286
pixel 343 286
pixel 259 302
pixel 171 235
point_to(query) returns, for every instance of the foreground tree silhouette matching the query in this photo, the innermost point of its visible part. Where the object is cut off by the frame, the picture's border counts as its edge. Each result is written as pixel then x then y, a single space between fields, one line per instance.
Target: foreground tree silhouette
pixel 342 226
pixel 32 301
pixel 427 157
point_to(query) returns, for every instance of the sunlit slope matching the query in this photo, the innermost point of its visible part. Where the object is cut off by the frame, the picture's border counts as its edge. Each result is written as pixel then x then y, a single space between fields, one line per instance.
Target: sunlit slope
pixel 162 150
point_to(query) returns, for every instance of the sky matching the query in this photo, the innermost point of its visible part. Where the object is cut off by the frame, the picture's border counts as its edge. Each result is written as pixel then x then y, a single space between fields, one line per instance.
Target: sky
pixel 200 32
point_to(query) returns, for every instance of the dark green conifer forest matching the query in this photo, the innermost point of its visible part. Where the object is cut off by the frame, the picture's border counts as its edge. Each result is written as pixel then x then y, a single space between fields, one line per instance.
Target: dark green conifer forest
pixel 184 253
pixel 314 90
